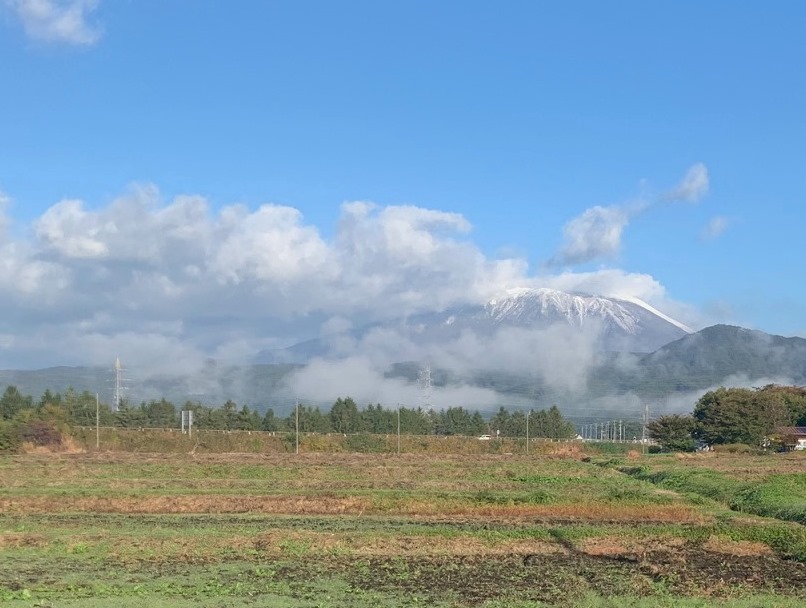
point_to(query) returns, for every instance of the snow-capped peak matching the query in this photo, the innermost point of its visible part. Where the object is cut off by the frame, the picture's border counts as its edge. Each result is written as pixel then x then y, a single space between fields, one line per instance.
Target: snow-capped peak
pixel 629 322
pixel 525 305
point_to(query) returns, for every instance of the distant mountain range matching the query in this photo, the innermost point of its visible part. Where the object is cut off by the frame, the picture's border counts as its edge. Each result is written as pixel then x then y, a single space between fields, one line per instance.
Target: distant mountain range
pixel 620 324
pixel 679 361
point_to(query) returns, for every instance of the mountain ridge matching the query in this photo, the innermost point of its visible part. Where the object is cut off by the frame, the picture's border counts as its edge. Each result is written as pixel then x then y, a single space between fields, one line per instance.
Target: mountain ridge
pixel 695 362
pixel 624 324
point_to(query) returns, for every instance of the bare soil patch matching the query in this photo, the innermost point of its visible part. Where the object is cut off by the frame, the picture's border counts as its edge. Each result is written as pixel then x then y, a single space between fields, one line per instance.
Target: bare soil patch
pixel 557 577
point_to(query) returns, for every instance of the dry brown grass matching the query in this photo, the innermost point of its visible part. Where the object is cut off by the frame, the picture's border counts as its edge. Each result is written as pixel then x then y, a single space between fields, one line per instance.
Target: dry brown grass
pixel 739 548
pixel 332 505
pixel 18 541
pixel 67 446
pixel 189 504
pixel 598 512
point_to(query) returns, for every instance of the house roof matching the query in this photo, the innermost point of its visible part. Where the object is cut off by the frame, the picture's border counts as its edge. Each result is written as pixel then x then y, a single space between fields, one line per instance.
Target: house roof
pixel 791 430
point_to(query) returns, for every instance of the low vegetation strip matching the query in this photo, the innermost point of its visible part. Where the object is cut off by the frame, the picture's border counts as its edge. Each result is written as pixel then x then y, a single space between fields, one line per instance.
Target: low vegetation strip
pixel 780 496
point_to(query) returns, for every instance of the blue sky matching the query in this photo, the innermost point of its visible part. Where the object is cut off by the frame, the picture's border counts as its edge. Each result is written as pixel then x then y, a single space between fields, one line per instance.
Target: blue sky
pixel 517 116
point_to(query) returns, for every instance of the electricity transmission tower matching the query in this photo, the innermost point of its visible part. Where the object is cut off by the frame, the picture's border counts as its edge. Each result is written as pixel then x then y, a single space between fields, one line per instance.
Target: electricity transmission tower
pixel 425 387
pixel 118 396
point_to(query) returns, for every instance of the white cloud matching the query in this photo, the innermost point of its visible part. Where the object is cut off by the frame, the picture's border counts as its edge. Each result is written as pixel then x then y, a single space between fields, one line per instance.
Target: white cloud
pixel 608 282
pixel 692 187
pixel 72 231
pixel 194 282
pixel 60 21
pixel 361 378
pixel 594 234
pixel 715 227
pixel 5 203
pixel 271 244
pixel 597 232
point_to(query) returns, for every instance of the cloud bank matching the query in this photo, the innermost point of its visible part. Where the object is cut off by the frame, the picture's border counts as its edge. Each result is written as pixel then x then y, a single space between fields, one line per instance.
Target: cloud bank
pixel 168 284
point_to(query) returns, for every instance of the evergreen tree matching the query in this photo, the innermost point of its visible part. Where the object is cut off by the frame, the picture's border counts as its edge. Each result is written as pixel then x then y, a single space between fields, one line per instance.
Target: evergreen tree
pixel 499 423
pixel 311 420
pixel 270 422
pixel 477 424
pixel 228 415
pixel 416 421
pixel 558 427
pixel 13 402
pixel 160 414
pixel 248 420
pixel 376 419
pixel 129 417
pixel 344 416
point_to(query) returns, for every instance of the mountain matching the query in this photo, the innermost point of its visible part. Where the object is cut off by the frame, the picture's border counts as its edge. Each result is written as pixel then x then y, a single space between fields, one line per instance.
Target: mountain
pixel 716 355
pixel 724 350
pixel 213 384
pixel 621 324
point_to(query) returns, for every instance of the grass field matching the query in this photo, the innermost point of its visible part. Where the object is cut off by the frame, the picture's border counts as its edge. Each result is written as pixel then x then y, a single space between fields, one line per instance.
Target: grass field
pixel 328 530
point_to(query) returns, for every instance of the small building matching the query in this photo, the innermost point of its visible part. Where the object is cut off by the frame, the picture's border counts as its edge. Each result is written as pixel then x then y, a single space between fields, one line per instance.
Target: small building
pixel 792 437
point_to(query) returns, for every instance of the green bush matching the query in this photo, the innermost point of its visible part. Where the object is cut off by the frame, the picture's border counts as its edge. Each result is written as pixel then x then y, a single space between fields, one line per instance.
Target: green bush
pixel 9 438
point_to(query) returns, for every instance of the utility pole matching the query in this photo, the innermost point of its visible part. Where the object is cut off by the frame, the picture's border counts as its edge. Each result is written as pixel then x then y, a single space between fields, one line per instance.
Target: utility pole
pixel 527 431
pixel 398 429
pixel 643 429
pixel 118 384
pixel 296 416
pixel 97 421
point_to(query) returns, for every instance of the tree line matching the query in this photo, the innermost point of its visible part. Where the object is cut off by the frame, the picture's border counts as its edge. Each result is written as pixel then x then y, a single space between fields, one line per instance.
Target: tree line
pixel 22 418
pixel 733 416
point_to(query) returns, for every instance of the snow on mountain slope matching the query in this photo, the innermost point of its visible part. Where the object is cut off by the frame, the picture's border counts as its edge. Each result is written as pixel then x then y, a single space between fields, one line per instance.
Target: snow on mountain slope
pixel 624 324
pixel 619 324
pixel 655 311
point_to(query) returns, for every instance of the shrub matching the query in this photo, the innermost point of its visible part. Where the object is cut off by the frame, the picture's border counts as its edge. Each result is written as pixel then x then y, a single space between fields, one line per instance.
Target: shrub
pixel 41 433
pixel 9 438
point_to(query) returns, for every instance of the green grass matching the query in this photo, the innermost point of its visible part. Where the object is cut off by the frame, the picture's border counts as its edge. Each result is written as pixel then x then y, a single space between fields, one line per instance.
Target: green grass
pixel 781 496
pixel 469 548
